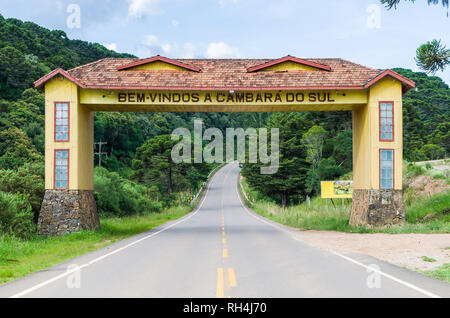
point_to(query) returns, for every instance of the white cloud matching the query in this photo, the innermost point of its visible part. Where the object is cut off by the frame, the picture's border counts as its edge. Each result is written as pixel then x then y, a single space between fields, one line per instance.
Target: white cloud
pixel 150 40
pixel 140 8
pixel 167 48
pixel 111 46
pixel 189 51
pixel 151 45
pixel 218 50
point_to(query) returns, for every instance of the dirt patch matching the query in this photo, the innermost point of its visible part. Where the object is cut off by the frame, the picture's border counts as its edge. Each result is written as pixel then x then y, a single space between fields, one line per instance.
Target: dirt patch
pixel 427 186
pixel 406 250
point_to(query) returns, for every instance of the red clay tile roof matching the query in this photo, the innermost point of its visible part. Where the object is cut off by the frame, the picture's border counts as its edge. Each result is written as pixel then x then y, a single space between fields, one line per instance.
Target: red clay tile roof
pixel 224 74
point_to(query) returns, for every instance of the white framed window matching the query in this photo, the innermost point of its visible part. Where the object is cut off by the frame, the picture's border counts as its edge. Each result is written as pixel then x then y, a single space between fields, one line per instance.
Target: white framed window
pixel 61 173
pixel 386 121
pixel 386 169
pixel 61 121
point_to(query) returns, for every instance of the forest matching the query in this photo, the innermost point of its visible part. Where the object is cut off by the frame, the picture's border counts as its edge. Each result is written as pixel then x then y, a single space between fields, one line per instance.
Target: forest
pixel 133 176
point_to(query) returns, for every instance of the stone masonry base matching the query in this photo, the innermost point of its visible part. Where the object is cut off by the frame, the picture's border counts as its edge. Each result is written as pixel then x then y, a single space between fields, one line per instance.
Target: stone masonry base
pixel 68 211
pixel 377 208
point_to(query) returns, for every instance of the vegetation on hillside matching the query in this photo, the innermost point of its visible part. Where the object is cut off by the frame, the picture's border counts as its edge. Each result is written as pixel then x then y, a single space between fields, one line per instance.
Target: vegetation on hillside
pixel 29 51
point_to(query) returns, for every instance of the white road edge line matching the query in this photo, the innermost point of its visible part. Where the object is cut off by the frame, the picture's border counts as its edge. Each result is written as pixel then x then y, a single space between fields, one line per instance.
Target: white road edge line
pixel 45 283
pixel 418 289
pixel 395 279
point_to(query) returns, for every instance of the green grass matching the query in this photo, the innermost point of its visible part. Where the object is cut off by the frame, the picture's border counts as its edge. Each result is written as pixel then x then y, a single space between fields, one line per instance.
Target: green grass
pixel 424 215
pixel 436 207
pixel 22 257
pixel 428 259
pixel 442 273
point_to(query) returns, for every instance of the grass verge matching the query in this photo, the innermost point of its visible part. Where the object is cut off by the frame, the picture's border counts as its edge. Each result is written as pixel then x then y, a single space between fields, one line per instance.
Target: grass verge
pixel 442 273
pixel 22 257
pixel 424 215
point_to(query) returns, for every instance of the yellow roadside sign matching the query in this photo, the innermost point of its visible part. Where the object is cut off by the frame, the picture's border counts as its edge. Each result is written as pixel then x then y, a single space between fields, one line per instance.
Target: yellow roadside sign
pixel 337 189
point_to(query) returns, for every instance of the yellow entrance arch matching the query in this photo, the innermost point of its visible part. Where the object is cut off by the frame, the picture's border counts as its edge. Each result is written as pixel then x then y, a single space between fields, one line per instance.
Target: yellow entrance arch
pixel 159 84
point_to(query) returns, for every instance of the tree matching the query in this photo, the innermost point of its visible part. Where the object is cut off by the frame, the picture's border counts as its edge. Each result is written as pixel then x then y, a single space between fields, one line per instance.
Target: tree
pixel 432 152
pixel 326 170
pixel 393 3
pixel 16 149
pixel 153 161
pixel 431 56
pixel 153 165
pixel 441 136
pixel 289 181
pixel 343 149
pixel 27 180
pixel 425 114
pixel 313 140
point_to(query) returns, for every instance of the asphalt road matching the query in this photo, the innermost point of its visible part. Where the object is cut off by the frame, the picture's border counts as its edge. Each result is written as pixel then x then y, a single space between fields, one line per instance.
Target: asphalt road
pixel 223 250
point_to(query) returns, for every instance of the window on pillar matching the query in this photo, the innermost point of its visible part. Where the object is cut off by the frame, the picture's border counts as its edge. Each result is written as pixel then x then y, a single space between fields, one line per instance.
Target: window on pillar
pixel 386 121
pixel 62 121
pixel 61 173
pixel 386 169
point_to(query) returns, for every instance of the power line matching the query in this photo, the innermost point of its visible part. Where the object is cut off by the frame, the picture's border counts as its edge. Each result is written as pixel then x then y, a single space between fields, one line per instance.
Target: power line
pixel 100 153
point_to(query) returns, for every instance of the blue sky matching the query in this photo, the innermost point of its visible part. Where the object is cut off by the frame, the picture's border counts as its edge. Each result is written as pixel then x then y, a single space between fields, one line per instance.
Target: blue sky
pixel 357 30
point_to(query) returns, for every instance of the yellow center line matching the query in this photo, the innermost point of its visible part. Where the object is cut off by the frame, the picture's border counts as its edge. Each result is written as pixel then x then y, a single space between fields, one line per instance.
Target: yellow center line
pixel 219 292
pixel 231 277
pixel 220 272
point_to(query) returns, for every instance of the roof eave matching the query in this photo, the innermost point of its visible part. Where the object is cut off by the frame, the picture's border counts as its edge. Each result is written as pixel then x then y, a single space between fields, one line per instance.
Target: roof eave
pixel 407 84
pixel 59 71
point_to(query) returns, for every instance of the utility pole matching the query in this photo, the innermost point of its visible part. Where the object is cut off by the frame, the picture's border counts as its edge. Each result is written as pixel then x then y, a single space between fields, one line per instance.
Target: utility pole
pixel 100 153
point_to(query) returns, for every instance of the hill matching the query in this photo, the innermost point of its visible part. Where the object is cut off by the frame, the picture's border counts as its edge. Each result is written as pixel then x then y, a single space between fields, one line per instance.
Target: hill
pixel 426 117
pixel 29 51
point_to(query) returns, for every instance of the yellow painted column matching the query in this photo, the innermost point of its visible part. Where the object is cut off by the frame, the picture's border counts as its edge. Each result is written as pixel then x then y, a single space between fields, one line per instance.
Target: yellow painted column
pixel 72 208
pixel 372 205
pixel 386 90
pixel 81 136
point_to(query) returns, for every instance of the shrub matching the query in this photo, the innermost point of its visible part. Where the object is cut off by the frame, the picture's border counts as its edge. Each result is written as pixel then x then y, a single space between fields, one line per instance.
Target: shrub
pixel 413 171
pixel 29 180
pixel 433 152
pixel 16 217
pixel 119 197
pixel 424 209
